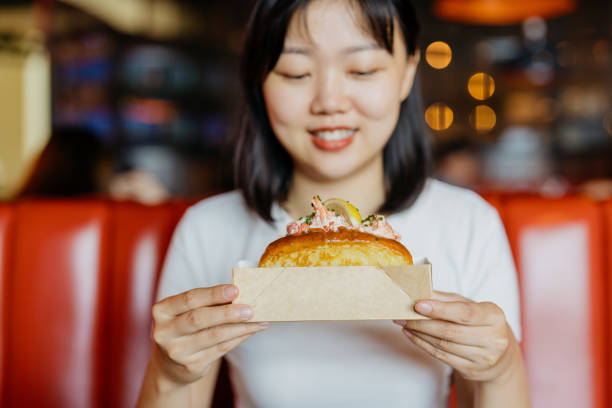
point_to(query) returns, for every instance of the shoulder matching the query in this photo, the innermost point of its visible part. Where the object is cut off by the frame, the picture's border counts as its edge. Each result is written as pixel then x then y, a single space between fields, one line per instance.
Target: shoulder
pixel 452 211
pixel 220 203
pixel 226 208
pixel 215 216
pixel 446 198
pixel 446 195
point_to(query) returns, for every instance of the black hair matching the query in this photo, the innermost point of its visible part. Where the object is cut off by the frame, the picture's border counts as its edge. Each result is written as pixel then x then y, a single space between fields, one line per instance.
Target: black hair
pixel 68 166
pixel 263 168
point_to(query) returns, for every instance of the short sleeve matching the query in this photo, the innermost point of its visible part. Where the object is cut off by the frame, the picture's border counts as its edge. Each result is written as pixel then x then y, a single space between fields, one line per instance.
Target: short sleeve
pixel 490 274
pixel 184 264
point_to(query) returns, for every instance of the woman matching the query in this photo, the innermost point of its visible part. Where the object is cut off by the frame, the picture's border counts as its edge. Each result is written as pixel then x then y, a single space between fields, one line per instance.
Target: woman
pixel 332 111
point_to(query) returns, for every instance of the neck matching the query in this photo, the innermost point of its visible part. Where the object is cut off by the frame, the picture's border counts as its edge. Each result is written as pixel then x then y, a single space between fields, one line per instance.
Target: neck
pixel 364 189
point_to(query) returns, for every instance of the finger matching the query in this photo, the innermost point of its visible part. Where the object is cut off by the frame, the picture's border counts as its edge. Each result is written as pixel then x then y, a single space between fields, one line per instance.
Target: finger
pixel 448 296
pixel 205 317
pixel 193 299
pixel 448 331
pixel 471 353
pixel 467 313
pixel 452 360
pixel 206 356
pixel 213 337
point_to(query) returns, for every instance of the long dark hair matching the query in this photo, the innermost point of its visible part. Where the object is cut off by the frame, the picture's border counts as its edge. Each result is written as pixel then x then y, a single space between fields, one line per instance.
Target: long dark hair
pixel 263 168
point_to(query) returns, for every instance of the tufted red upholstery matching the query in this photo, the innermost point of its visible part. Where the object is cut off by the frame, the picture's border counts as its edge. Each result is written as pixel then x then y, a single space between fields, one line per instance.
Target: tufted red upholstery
pixel 6 217
pixel 140 237
pixel 608 259
pixel 56 347
pixel 78 278
pixel 558 247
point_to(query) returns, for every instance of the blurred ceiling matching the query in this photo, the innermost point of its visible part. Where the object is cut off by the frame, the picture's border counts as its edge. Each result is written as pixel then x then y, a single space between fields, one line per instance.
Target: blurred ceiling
pixel 500 12
pixel 152 18
pixel 158 19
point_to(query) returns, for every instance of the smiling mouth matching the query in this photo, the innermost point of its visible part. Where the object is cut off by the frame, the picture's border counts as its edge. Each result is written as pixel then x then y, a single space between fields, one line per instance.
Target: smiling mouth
pixel 332 139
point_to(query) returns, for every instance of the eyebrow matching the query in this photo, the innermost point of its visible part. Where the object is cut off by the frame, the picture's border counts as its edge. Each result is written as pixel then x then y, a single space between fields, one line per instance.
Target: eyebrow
pixel 346 51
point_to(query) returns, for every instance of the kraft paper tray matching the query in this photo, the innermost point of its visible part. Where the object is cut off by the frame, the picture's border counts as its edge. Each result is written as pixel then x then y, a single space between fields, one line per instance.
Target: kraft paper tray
pixel 333 293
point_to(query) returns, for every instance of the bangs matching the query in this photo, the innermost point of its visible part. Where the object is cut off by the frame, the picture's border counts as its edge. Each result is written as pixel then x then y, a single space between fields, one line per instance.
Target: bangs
pixel 379 20
pixel 376 17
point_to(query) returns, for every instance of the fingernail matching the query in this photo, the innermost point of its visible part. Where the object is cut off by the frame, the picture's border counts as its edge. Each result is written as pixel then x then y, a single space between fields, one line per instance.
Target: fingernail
pixel 245 312
pixel 400 322
pixel 264 324
pixel 229 292
pixel 424 308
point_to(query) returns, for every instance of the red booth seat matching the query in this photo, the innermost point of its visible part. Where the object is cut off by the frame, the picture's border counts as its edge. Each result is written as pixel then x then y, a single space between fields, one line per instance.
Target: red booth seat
pixel 559 251
pixel 608 258
pixel 6 217
pixel 78 280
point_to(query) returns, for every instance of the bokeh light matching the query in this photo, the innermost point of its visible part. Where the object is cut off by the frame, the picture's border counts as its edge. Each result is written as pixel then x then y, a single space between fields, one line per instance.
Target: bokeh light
pixel 483 118
pixel 438 54
pixel 481 86
pixel 439 116
pixel 534 28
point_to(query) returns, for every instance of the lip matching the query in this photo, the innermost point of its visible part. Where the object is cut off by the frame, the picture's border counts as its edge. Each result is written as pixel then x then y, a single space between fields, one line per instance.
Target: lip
pixel 332 145
pixel 331 129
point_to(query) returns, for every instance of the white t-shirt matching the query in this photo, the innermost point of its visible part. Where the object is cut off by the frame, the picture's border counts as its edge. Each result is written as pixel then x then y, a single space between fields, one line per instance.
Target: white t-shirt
pixel 347 364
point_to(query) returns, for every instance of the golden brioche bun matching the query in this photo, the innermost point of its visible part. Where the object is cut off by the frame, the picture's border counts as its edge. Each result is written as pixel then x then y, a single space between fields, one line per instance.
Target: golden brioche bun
pixel 343 248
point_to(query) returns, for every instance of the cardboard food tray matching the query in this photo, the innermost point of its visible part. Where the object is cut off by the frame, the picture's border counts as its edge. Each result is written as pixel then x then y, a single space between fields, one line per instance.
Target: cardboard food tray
pixel 333 293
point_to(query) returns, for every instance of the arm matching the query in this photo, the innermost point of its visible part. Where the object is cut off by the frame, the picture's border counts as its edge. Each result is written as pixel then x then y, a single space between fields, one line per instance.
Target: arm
pixel 510 390
pixel 192 331
pixel 475 340
pixel 158 391
pixel 203 390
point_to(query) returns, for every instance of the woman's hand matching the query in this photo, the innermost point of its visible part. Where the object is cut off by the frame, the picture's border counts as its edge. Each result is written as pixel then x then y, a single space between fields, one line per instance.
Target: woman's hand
pixel 195 328
pixel 471 337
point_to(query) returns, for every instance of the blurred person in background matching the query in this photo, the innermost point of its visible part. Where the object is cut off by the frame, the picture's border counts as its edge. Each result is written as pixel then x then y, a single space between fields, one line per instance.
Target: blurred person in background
pixel 74 163
pixel 137 185
pixel 458 163
pixel 599 189
pixel 331 110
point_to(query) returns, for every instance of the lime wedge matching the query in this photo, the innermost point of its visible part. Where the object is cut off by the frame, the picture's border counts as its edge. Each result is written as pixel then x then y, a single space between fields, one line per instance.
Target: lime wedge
pixel 345 209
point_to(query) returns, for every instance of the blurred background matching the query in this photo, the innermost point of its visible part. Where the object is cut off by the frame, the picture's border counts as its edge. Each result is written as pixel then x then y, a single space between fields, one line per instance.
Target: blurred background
pixel 518 96
pixel 135 100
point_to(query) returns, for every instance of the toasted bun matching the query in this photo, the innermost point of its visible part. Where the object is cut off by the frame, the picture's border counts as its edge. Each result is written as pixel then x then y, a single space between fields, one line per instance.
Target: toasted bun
pixel 343 248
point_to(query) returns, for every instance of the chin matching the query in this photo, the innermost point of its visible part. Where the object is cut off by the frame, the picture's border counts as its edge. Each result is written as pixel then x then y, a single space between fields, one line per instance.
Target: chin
pixel 334 169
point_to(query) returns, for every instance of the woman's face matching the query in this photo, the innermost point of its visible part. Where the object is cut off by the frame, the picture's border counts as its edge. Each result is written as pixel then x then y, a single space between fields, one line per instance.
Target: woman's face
pixel 334 96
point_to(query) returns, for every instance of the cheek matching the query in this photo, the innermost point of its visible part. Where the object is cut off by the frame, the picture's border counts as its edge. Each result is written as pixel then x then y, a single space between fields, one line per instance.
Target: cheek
pixel 284 105
pixel 379 101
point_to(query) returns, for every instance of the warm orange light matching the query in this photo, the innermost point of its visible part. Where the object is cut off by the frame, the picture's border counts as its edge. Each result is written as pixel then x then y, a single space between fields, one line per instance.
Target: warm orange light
pixel 481 86
pixel 151 111
pixel 438 54
pixel 483 119
pixel 500 12
pixel 439 116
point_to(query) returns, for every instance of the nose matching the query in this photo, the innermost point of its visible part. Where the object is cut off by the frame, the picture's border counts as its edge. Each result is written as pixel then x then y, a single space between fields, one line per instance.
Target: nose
pixel 330 96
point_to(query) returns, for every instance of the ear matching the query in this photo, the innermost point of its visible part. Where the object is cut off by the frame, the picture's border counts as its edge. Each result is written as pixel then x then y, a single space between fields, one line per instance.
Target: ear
pixel 409 73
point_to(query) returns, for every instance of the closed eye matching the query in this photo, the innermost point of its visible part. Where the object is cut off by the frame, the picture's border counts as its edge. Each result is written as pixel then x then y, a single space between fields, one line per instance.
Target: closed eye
pixel 294 77
pixel 363 74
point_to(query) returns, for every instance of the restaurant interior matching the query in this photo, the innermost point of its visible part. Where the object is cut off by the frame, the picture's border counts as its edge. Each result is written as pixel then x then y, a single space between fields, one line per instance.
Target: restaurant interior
pixel 117 115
